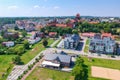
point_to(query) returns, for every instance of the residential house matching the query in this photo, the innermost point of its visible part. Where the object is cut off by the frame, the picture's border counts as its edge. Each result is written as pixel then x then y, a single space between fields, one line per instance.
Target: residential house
pixel 20 24
pixel 52 34
pixel 35 40
pixel 14 35
pixel 8 44
pixel 102 44
pixel 70 42
pixel 89 35
pixel 56 60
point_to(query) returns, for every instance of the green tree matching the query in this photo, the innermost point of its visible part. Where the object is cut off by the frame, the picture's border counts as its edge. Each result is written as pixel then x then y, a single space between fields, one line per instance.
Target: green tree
pixel 45 43
pixel 24 33
pixel 74 31
pixel 16 60
pixel 19 49
pixel 79 70
pixel 26 44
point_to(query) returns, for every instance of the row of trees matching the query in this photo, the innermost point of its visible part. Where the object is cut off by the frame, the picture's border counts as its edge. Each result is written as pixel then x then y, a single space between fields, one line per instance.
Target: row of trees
pixel 61 31
pixel 104 26
pixel 113 28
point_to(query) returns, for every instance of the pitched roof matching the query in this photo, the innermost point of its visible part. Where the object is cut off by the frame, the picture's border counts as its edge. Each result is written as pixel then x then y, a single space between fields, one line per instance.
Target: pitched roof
pixel 62 58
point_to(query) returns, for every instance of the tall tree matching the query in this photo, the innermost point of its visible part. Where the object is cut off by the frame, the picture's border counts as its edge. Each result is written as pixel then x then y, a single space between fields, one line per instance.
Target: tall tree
pixel 79 70
pixel 16 60
pixel 45 43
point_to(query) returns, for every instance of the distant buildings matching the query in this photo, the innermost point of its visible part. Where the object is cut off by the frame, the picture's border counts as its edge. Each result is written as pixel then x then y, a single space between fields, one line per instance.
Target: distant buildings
pixel 35 37
pixel 8 44
pixel 12 35
pixel 35 40
pixel 69 42
pixel 102 43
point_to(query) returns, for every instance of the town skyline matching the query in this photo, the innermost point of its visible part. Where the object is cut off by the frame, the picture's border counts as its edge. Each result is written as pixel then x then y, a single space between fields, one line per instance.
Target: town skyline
pixel 46 8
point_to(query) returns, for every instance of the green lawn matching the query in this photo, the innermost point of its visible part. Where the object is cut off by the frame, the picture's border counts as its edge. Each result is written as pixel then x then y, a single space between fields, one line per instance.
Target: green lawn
pixel 5 62
pixel 30 54
pixel 29 35
pixel 48 74
pixel 50 41
pixel 114 64
pixel 86 49
pixel 87 42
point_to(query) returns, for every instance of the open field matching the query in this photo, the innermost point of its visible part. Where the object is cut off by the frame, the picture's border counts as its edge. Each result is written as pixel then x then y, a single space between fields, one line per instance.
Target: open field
pixel 113 64
pixel 30 54
pixel 5 62
pixel 107 73
pixel 48 74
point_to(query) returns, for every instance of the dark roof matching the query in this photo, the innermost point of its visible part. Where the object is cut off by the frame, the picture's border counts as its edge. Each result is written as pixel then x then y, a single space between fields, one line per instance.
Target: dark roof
pixel 62 58
pixel 75 37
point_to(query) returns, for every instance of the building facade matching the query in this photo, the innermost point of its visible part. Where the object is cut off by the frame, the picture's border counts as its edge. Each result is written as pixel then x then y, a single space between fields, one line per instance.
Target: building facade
pixel 102 44
pixel 69 42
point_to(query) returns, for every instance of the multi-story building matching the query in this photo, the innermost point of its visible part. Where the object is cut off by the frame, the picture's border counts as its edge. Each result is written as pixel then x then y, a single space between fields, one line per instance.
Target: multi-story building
pixel 102 44
pixel 69 42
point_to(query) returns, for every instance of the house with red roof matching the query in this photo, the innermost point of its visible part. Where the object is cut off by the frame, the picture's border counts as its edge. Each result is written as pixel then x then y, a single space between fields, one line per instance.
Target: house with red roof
pixel 89 35
pixel 52 34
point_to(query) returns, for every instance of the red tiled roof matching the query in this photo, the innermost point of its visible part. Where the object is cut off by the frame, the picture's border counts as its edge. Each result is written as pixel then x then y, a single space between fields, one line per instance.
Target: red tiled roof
pixel 61 25
pixel 106 34
pixel 88 34
pixel 93 22
pixel 52 33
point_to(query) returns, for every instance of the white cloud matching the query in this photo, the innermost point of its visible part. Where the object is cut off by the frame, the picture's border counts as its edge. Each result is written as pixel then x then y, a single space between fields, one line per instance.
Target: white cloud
pixel 36 6
pixel 12 7
pixel 56 7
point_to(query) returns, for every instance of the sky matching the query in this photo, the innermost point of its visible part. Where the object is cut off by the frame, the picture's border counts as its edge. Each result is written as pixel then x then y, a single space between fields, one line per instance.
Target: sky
pixel 41 8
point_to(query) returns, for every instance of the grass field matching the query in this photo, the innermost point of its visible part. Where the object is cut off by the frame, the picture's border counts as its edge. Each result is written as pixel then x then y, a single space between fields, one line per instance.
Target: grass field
pixel 5 62
pixel 30 54
pixel 114 64
pixel 47 74
pixel 50 41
